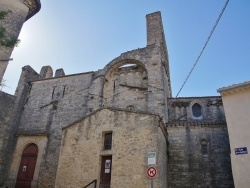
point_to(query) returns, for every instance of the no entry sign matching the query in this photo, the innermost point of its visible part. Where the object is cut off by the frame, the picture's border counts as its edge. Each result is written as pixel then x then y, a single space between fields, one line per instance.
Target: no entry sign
pixel 151 172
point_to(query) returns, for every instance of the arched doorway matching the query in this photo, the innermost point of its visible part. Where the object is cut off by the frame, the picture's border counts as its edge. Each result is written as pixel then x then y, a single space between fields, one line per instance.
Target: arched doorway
pixel 27 166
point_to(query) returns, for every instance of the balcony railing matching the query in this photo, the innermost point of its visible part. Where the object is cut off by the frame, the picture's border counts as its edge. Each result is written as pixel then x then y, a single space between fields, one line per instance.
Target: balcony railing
pixel 94 181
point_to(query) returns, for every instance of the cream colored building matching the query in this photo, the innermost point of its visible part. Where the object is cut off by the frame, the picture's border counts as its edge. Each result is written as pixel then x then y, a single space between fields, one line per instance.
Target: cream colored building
pixel 236 100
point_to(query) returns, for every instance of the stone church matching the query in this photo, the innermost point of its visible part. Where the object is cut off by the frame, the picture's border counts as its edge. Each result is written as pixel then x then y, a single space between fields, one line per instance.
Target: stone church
pixel 98 128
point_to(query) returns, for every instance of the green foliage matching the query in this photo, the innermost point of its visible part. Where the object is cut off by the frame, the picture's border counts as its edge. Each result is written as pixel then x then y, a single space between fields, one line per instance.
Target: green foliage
pixel 4 41
pixel 11 42
pixel 3 14
pixel 2 31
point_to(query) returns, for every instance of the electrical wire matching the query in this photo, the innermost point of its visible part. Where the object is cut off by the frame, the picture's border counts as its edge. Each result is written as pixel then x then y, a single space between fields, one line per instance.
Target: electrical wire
pixel 198 58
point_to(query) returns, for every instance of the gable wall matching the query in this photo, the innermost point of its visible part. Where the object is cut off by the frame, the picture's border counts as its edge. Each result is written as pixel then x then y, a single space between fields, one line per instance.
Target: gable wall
pixel 133 136
pixel 66 96
pixel 47 114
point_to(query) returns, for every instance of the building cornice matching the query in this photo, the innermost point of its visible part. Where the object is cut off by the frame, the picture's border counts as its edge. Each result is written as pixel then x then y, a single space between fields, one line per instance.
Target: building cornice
pixel 197 97
pixel 197 124
pixel 61 77
pixel 34 7
pixel 236 88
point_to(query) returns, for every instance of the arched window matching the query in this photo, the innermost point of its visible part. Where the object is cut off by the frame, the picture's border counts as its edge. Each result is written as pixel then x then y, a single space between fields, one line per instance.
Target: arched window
pixel 204 148
pixel 196 110
pixel 130 107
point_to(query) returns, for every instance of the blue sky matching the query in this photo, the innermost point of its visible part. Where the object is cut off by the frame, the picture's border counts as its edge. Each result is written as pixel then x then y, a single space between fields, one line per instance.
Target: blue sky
pixel 85 35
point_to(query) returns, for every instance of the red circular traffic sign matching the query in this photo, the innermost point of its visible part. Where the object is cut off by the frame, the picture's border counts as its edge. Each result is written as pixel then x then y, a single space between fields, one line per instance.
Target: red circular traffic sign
pixel 151 172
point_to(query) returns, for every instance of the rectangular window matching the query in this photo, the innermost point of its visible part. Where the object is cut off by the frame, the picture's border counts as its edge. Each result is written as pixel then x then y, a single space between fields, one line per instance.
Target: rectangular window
pixel 107 141
pixel 204 149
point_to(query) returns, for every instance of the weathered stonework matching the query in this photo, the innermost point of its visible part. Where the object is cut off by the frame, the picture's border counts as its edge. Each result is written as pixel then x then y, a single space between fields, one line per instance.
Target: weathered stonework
pixel 128 84
pixel 12 23
pixel 9 130
pixel 22 142
pixel 211 108
pixel 18 11
pixel 188 166
pixel 82 148
pixel 33 5
pixel 67 116
pixel 6 104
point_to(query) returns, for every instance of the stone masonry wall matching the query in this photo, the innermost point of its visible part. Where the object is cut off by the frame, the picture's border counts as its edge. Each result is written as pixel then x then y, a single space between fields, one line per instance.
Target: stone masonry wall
pixel 150 58
pixel 162 159
pixel 13 23
pixel 133 136
pixel 45 106
pixel 22 142
pixel 66 96
pixel 189 166
pixel 127 86
pixel 211 109
pixel 51 105
pixel 199 154
pixel 27 75
pixel 6 101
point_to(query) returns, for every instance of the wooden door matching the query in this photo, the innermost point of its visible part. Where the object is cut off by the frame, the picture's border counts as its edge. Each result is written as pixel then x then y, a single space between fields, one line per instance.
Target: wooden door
pixel 105 178
pixel 27 167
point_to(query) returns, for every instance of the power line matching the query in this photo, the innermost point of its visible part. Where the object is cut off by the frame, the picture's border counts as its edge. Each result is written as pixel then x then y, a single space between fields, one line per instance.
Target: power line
pixel 198 58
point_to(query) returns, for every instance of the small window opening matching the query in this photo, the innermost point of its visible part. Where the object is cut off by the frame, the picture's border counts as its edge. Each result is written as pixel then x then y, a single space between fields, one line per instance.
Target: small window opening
pixel 196 110
pixel 130 107
pixel 64 88
pixel 114 87
pixel 204 148
pixel 129 65
pixel 30 89
pixel 108 141
pixel 53 91
pixel 27 100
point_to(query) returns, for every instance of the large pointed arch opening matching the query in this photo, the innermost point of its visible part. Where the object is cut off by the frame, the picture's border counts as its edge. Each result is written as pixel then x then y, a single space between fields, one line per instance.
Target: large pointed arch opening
pixel 126 86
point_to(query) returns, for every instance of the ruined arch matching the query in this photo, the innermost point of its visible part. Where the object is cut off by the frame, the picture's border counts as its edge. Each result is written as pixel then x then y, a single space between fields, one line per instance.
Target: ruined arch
pixel 126 83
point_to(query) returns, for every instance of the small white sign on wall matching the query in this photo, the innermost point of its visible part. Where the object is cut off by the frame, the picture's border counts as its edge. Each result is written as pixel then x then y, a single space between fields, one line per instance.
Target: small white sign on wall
pixel 107 163
pixel 152 159
pixel 107 171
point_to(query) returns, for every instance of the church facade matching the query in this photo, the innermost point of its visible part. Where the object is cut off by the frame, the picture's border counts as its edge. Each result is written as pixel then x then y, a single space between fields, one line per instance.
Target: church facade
pixel 70 130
